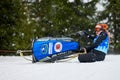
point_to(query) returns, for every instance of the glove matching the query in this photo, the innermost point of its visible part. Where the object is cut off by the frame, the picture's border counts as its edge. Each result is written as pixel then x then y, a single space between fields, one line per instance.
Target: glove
pixel 82 33
pixel 82 49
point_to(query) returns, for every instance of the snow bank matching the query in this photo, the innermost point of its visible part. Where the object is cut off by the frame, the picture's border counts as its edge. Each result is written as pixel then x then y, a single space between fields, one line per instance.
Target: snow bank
pixel 16 68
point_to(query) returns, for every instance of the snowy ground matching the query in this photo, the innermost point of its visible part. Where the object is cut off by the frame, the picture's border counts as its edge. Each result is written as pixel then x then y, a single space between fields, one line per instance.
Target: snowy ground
pixel 16 68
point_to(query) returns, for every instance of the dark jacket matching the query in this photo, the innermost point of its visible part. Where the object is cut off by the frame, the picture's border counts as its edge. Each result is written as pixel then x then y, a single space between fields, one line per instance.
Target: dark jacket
pixel 101 37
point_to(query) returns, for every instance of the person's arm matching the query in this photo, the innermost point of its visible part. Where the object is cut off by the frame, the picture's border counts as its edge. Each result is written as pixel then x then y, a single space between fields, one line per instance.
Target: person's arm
pixel 101 37
pixel 91 36
pixel 85 34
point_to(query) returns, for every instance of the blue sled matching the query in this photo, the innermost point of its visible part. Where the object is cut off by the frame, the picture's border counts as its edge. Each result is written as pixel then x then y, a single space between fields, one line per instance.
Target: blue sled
pixel 47 47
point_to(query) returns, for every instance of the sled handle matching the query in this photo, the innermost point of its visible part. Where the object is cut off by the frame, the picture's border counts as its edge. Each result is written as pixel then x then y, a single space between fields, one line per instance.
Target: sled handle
pixel 21 53
pixel 85 51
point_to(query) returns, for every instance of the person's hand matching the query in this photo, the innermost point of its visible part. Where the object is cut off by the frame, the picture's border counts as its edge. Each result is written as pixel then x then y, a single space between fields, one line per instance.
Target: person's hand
pixel 82 33
pixel 82 50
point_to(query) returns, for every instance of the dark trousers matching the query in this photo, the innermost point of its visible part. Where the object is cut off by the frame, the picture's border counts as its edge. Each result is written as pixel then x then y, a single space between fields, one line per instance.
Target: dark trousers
pixel 92 56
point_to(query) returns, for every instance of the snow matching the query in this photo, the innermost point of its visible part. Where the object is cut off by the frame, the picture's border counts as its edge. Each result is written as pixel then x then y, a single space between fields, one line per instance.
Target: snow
pixel 16 68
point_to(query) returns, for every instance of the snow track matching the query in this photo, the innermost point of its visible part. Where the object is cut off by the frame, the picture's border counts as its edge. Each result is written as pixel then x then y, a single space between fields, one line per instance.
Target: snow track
pixel 16 68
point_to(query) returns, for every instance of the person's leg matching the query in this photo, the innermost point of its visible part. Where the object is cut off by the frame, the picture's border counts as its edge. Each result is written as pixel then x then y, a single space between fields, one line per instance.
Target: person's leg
pixel 100 56
pixel 89 57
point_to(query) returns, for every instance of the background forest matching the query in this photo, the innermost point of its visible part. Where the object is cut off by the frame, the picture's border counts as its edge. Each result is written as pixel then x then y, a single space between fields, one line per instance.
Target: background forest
pixel 22 21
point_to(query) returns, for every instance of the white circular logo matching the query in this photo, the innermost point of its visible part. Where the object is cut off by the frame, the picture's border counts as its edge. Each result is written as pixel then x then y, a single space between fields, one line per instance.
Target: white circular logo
pixel 58 47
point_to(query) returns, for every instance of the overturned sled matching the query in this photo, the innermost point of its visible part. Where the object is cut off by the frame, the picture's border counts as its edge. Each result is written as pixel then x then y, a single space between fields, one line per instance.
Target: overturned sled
pixel 51 49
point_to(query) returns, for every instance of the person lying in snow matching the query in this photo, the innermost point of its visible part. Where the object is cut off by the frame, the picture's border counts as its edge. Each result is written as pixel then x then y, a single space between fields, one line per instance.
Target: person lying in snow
pixel 98 50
